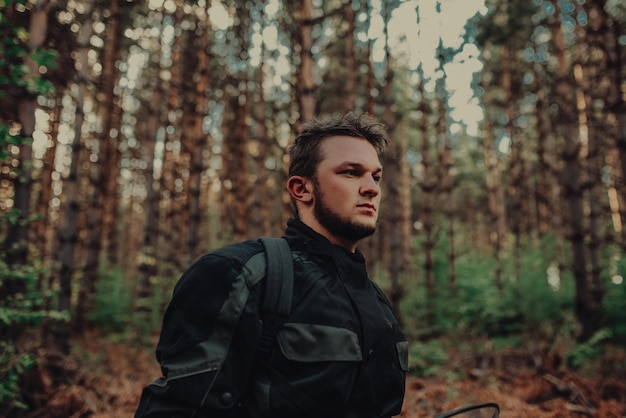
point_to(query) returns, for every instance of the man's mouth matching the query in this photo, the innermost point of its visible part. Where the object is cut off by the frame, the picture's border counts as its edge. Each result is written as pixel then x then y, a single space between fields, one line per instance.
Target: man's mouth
pixel 367 206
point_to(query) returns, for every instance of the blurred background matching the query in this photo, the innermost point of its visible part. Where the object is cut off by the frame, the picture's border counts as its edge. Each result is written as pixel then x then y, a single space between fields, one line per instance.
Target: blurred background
pixel 137 135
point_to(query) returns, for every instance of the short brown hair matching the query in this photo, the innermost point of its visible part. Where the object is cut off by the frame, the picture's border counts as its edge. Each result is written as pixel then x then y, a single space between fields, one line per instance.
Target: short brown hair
pixel 304 153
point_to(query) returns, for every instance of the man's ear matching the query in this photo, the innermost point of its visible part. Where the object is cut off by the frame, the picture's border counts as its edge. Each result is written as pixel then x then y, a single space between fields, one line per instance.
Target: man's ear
pixel 300 188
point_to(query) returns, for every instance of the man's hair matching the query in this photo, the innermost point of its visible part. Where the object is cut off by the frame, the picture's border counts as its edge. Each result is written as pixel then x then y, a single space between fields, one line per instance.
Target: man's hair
pixel 305 152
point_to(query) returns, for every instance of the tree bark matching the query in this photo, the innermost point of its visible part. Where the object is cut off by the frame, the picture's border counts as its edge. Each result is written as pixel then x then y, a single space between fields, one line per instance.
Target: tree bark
pixel 306 85
pixel 428 186
pixel 69 229
pixel 392 180
pixel 199 138
pixel 349 101
pixel 572 188
pixel 100 171
pixel 16 242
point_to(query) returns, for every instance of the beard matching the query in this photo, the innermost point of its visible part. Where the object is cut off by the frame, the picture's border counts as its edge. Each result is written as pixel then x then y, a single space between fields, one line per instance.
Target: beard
pixel 336 224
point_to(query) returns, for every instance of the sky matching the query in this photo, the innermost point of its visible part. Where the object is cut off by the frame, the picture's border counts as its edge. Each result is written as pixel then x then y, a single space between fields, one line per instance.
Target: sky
pixel 419 44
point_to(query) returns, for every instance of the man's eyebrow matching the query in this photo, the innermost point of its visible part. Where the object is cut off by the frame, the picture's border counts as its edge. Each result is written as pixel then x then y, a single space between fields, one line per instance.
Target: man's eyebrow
pixel 378 169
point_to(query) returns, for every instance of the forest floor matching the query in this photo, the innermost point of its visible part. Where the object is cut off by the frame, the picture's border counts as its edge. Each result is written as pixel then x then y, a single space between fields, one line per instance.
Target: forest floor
pixel 103 378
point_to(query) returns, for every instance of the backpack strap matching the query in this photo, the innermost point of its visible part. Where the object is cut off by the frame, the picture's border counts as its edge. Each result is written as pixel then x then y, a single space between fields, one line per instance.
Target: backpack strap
pixel 275 310
pixel 276 303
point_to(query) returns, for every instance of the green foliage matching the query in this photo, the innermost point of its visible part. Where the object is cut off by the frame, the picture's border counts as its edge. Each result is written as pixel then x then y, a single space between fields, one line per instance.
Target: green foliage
pixel 17 80
pixel 21 308
pixel 475 307
pixel 536 301
pixel 6 139
pixel 116 311
pixel 12 366
pixel 614 304
pixel 426 359
pixel 589 350
pixel 113 301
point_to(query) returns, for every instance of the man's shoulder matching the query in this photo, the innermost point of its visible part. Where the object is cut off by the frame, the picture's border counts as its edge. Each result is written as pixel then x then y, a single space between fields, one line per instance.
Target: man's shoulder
pixel 238 253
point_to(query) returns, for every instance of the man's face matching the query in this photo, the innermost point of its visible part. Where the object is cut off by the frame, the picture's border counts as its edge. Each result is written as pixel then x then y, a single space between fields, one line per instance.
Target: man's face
pixel 347 189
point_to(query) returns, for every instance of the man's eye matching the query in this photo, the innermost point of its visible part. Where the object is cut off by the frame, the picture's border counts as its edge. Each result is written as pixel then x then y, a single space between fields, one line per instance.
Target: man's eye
pixel 351 172
pixel 377 177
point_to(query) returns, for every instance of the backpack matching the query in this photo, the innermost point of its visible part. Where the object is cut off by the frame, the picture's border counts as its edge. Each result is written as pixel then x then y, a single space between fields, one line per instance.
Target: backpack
pixel 276 303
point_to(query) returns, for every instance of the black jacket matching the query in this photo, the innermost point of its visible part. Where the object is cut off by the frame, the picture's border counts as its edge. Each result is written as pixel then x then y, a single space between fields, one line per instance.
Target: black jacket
pixel 340 354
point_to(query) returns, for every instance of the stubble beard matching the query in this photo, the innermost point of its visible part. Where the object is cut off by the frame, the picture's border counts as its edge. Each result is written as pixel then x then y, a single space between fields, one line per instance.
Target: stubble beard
pixel 338 225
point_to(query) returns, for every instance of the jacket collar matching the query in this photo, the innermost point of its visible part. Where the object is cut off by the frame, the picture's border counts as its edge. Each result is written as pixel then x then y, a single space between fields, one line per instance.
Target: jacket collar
pixel 301 236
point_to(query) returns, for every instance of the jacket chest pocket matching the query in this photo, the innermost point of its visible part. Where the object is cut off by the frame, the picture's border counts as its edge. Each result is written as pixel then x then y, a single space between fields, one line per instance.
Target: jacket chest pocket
pixel 313 343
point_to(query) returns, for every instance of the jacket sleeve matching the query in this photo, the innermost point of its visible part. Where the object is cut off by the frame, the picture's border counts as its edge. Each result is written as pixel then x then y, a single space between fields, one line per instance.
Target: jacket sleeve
pixel 208 342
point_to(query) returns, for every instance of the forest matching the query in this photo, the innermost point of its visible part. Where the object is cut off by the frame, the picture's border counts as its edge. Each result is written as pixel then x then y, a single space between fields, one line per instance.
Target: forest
pixel 136 136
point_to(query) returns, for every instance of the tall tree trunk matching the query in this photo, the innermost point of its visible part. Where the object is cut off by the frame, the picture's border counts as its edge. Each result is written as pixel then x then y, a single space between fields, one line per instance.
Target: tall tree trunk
pixel 99 197
pixel 110 123
pixel 406 224
pixel 516 186
pixel 591 178
pixel 370 246
pixel 47 233
pixel 349 101
pixel 260 214
pixel 392 180
pixel 187 142
pixel 494 193
pixel 590 75
pixel 44 226
pixel 112 207
pixel 69 229
pixel 148 256
pixel 543 167
pixel 428 186
pixel 199 138
pixel 610 30
pixel 240 140
pixel 172 167
pixel 16 242
pixel 306 85
pixel 228 209
pixel 616 106
pixel 572 187
pixel 446 180
pixel 241 137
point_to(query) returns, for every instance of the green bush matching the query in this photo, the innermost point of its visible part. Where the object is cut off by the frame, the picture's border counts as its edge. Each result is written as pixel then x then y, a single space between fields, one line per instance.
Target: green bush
pixel 20 312
pixel 12 366
pixel 113 302
pixel 589 350
pixel 476 308
pixel 426 359
pixel 117 311
pixel 614 304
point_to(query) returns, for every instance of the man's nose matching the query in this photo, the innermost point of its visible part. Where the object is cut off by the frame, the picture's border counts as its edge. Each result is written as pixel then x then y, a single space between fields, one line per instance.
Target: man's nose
pixel 370 187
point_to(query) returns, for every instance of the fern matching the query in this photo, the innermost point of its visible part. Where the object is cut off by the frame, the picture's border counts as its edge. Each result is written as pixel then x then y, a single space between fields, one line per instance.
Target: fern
pixel 589 350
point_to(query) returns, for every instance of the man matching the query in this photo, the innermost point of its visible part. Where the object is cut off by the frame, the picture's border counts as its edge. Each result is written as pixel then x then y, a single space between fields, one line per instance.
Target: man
pixel 340 354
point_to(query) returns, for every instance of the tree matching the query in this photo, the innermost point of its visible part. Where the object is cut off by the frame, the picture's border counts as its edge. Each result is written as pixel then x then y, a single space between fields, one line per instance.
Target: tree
pixel 306 85
pixel 104 166
pixel 33 85
pixel 197 136
pixel 68 233
pixel 444 166
pixel 393 161
pixel 586 313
